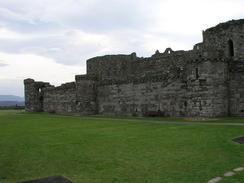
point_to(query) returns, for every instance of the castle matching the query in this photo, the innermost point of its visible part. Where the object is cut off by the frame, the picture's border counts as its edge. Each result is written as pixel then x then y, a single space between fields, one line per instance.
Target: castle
pixel 207 81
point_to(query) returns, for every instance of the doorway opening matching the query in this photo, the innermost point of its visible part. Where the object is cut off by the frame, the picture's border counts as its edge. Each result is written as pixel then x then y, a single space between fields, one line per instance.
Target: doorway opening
pixel 231 48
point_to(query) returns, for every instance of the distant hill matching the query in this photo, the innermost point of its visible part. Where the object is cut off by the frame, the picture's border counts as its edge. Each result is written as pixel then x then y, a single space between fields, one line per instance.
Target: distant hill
pixel 11 100
pixel 11 103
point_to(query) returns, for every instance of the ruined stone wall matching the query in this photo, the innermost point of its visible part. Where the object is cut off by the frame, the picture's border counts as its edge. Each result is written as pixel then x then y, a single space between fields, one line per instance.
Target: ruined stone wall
pixel 207 89
pixel 34 95
pixel 236 88
pixel 112 66
pixel 86 96
pixel 123 67
pixel 142 99
pixel 75 97
pixel 151 94
pixel 60 99
pixel 206 81
pixel 197 89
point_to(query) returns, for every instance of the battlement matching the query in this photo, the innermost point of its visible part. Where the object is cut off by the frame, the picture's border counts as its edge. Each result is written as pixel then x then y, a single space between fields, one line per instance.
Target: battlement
pixel 232 24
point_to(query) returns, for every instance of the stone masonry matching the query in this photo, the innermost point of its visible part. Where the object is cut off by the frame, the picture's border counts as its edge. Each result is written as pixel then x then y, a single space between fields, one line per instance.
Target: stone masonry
pixel 207 81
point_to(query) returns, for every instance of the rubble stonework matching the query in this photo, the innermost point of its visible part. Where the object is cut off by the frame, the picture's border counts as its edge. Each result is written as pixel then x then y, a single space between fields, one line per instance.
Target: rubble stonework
pixel 207 81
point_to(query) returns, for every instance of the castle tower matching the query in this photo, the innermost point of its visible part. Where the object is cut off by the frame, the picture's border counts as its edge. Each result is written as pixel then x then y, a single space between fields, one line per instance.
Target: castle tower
pixel 225 40
pixel 34 95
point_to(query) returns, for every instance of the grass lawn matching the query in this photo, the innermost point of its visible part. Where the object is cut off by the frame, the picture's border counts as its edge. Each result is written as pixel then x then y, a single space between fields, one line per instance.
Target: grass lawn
pixel 99 149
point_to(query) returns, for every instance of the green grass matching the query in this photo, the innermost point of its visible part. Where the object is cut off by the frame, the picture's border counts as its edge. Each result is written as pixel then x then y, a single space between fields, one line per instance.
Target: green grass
pixel 99 149
pixel 238 178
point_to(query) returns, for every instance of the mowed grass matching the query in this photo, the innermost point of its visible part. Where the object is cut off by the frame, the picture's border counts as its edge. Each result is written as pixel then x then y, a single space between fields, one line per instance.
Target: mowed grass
pixel 99 149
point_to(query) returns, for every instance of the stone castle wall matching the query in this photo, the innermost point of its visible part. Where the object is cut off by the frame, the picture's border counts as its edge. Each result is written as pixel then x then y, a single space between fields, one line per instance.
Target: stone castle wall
pixel 206 81
pixel 60 99
pixel 236 88
pixel 207 92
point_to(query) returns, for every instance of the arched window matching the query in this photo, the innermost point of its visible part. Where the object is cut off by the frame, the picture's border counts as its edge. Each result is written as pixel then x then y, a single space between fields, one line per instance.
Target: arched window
pixel 231 48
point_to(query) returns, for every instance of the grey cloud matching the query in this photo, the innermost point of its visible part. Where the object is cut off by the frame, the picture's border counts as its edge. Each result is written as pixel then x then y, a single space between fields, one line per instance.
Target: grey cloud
pixel 124 22
pixel 107 16
pixel 60 48
pixel 99 16
pixel 3 65
pixel 17 22
pixel 63 50
pixel 111 18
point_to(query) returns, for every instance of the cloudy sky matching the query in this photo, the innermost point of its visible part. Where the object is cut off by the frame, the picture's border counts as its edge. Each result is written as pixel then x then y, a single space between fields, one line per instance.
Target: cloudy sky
pixel 51 40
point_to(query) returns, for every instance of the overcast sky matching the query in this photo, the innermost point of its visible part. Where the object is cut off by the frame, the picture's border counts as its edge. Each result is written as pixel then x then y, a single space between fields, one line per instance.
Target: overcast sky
pixel 50 40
